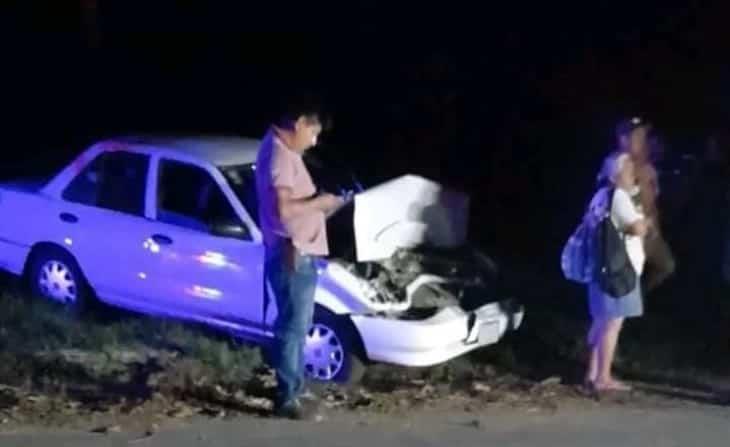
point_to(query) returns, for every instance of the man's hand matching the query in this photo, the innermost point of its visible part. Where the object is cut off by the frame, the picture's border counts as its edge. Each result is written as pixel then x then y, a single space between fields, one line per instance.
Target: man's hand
pixel 330 203
pixel 290 208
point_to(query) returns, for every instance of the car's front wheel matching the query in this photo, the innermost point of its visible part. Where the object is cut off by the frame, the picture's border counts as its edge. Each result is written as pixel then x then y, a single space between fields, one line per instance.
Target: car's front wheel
pixel 54 274
pixel 332 350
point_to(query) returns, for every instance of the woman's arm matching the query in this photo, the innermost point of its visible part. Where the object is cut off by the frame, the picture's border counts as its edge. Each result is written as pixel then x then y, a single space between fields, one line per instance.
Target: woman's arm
pixel 627 217
pixel 638 228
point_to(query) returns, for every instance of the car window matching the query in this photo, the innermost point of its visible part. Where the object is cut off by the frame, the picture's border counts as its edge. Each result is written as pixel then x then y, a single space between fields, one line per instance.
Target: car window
pixel 113 180
pixel 242 179
pixel 189 196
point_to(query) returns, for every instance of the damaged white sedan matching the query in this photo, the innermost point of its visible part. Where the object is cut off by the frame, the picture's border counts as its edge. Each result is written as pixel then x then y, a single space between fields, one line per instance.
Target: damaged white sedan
pixel 168 227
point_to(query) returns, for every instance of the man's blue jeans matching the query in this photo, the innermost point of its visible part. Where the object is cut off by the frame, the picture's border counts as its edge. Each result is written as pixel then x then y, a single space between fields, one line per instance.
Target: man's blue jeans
pixel 293 278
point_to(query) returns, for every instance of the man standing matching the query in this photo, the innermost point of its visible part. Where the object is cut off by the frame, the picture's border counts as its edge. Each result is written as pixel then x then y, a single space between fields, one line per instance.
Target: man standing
pixel 292 217
pixel 632 135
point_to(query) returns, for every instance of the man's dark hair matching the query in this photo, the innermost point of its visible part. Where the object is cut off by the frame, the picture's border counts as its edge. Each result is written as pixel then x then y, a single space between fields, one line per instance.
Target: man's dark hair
pixel 305 105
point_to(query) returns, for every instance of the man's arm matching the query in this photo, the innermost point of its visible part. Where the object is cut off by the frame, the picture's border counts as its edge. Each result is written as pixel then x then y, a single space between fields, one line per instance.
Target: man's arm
pixel 291 208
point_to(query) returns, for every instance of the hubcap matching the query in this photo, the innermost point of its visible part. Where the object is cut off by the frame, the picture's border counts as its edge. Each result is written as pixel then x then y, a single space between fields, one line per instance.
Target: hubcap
pixel 324 354
pixel 56 282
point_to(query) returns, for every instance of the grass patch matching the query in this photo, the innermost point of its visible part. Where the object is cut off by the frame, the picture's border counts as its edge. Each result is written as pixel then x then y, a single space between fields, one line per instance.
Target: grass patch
pixel 40 341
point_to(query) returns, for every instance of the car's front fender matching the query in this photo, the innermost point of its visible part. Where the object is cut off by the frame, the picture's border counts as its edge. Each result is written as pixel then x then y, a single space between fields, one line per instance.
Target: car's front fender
pixel 339 291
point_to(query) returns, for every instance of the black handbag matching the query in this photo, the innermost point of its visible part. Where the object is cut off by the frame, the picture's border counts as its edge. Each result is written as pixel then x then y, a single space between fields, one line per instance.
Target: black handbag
pixel 614 273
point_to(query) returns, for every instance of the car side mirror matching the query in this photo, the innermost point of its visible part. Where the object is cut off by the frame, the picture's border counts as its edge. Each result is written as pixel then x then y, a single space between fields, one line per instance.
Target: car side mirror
pixel 230 229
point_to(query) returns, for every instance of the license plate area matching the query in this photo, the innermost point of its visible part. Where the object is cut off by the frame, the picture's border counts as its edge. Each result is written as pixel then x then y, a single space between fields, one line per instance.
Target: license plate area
pixel 483 332
pixel 489 332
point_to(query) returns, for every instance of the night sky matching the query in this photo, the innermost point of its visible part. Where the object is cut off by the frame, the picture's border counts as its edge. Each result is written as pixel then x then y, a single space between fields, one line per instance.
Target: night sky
pixel 513 103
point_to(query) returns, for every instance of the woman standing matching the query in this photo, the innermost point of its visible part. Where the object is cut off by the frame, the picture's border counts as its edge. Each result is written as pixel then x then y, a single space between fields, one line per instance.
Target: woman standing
pixel 608 313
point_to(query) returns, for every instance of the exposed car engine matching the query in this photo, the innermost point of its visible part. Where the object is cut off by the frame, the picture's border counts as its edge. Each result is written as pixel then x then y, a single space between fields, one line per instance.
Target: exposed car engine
pixel 428 279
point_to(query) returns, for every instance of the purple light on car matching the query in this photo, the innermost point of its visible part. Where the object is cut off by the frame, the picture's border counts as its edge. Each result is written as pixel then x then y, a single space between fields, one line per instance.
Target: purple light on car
pixel 213 258
pixel 68 241
pixel 204 292
pixel 151 245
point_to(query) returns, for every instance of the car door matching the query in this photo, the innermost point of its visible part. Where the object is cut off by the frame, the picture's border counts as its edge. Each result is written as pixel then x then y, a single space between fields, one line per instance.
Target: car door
pixel 102 213
pixel 210 265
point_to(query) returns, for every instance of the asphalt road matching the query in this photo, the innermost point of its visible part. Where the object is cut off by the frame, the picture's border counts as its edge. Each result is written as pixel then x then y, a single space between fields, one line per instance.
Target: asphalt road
pixel 700 425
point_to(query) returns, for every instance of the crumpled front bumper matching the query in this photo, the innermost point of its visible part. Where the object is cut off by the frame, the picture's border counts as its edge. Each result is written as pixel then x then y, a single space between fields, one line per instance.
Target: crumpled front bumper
pixel 450 333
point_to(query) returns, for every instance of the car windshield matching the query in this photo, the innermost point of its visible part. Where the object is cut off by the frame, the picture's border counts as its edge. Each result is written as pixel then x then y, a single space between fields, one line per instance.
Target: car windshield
pixel 242 180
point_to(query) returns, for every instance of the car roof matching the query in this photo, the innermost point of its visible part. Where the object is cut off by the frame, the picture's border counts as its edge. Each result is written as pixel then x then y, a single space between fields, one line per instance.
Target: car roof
pixel 218 150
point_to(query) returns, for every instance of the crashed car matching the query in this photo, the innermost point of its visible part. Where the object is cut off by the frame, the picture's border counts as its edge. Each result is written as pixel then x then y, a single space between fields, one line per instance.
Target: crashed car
pixel 168 227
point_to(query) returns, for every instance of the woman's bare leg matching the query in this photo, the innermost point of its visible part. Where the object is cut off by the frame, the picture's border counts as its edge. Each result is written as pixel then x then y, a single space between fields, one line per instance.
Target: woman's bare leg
pixel 606 354
pixel 593 340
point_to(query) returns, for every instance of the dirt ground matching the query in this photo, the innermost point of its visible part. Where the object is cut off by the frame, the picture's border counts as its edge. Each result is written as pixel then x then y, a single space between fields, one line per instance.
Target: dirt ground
pixel 651 416
pixel 179 393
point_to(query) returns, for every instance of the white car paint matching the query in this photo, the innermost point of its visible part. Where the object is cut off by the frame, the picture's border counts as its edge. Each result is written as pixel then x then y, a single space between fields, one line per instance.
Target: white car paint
pixel 407 212
pixel 220 281
pixel 434 340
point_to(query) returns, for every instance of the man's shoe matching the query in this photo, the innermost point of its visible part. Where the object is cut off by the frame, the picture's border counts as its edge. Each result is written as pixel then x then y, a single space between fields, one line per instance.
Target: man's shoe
pixel 298 411
pixel 309 395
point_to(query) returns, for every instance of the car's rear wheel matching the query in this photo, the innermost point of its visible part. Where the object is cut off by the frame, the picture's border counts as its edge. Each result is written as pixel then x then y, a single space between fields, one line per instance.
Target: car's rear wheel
pixel 332 350
pixel 54 274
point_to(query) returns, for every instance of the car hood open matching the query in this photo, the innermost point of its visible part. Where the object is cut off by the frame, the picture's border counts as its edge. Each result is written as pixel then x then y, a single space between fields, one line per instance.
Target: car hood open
pixel 407 212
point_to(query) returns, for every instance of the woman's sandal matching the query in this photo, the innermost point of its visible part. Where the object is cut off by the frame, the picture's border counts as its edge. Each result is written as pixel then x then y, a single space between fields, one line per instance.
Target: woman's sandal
pixel 613 385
